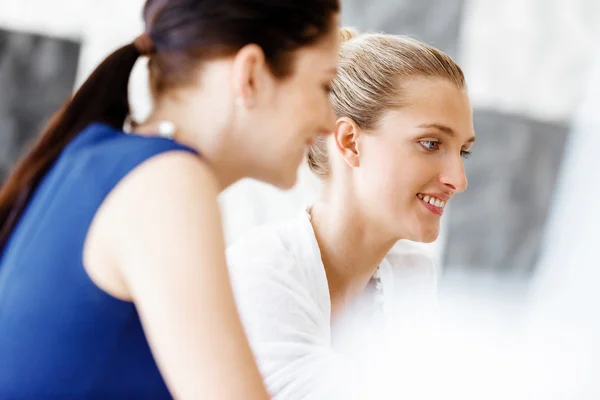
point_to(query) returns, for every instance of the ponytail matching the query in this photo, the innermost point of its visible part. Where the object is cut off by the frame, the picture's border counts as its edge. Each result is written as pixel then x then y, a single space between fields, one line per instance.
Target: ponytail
pixel 102 98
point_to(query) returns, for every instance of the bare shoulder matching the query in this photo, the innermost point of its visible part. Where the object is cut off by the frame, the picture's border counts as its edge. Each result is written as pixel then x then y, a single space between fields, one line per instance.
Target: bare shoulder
pixel 174 193
pixel 170 196
pixel 175 170
pixel 174 184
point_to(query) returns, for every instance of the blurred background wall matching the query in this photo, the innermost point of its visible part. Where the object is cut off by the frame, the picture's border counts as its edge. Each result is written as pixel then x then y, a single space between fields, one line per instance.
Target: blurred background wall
pixel 528 65
pixel 37 73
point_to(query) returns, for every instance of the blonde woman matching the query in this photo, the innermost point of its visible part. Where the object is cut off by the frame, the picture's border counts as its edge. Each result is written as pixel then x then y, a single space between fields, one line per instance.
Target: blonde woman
pixel 404 125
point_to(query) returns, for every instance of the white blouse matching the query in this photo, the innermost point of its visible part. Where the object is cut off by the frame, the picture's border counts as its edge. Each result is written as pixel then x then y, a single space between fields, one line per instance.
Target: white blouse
pixel 282 294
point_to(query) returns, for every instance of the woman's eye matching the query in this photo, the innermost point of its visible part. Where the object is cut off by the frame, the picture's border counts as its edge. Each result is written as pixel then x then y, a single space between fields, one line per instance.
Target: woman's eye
pixel 430 144
pixel 465 154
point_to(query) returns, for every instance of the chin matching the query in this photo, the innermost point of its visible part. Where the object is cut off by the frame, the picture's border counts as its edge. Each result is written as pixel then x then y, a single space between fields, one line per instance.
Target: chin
pixel 287 185
pixel 427 236
pixel 281 177
pixel 284 181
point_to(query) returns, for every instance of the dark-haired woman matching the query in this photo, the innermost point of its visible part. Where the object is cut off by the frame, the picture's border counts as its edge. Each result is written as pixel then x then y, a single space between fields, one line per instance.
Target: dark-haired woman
pixel 112 273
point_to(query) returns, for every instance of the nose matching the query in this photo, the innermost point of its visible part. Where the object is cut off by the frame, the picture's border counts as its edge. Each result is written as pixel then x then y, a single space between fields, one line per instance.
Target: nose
pixel 454 176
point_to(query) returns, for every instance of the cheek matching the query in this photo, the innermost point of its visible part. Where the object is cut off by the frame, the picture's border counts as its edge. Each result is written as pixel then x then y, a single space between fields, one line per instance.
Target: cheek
pixel 285 117
pixel 392 177
pixel 299 110
pixel 311 104
pixel 384 179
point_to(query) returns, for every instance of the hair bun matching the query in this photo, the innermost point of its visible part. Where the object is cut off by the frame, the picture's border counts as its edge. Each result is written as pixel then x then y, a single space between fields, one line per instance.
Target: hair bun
pixel 348 33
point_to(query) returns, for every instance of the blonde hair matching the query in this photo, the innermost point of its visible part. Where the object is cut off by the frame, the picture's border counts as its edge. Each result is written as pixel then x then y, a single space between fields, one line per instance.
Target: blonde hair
pixel 371 70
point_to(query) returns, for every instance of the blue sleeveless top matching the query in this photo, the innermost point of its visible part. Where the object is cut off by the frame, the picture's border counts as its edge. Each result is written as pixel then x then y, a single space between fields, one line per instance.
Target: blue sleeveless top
pixel 62 337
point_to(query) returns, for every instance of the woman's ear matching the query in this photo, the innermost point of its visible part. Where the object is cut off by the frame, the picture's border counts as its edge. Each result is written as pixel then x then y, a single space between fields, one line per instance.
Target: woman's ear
pixel 248 69
pixel 345 136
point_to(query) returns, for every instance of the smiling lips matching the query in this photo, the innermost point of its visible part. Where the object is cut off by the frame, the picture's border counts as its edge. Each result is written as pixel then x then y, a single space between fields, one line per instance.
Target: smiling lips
pixel 432 203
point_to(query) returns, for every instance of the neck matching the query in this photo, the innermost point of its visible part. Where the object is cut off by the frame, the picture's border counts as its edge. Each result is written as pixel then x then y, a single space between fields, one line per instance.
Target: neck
pixel 214 146
pixel 351 247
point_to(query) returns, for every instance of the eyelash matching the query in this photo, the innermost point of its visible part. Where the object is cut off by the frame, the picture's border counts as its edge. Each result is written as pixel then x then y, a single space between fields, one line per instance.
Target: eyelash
pixel 463 153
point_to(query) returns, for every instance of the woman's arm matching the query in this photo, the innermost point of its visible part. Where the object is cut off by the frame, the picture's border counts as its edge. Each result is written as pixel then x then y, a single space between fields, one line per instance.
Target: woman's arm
pixel 165 234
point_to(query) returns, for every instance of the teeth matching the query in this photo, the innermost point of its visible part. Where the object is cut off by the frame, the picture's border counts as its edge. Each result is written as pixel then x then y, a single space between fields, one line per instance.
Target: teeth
pixel 432 200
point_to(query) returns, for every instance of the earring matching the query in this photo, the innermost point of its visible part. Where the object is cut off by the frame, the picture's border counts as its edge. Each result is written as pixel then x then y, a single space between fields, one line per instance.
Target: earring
pixel 166 129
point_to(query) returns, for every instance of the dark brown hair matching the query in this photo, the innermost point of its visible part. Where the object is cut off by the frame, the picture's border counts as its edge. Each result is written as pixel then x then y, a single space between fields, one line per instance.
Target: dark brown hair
pixel 183 33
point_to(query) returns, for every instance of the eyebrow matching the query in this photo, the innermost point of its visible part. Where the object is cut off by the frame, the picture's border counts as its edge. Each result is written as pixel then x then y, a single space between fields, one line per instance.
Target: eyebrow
pixel 445 129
